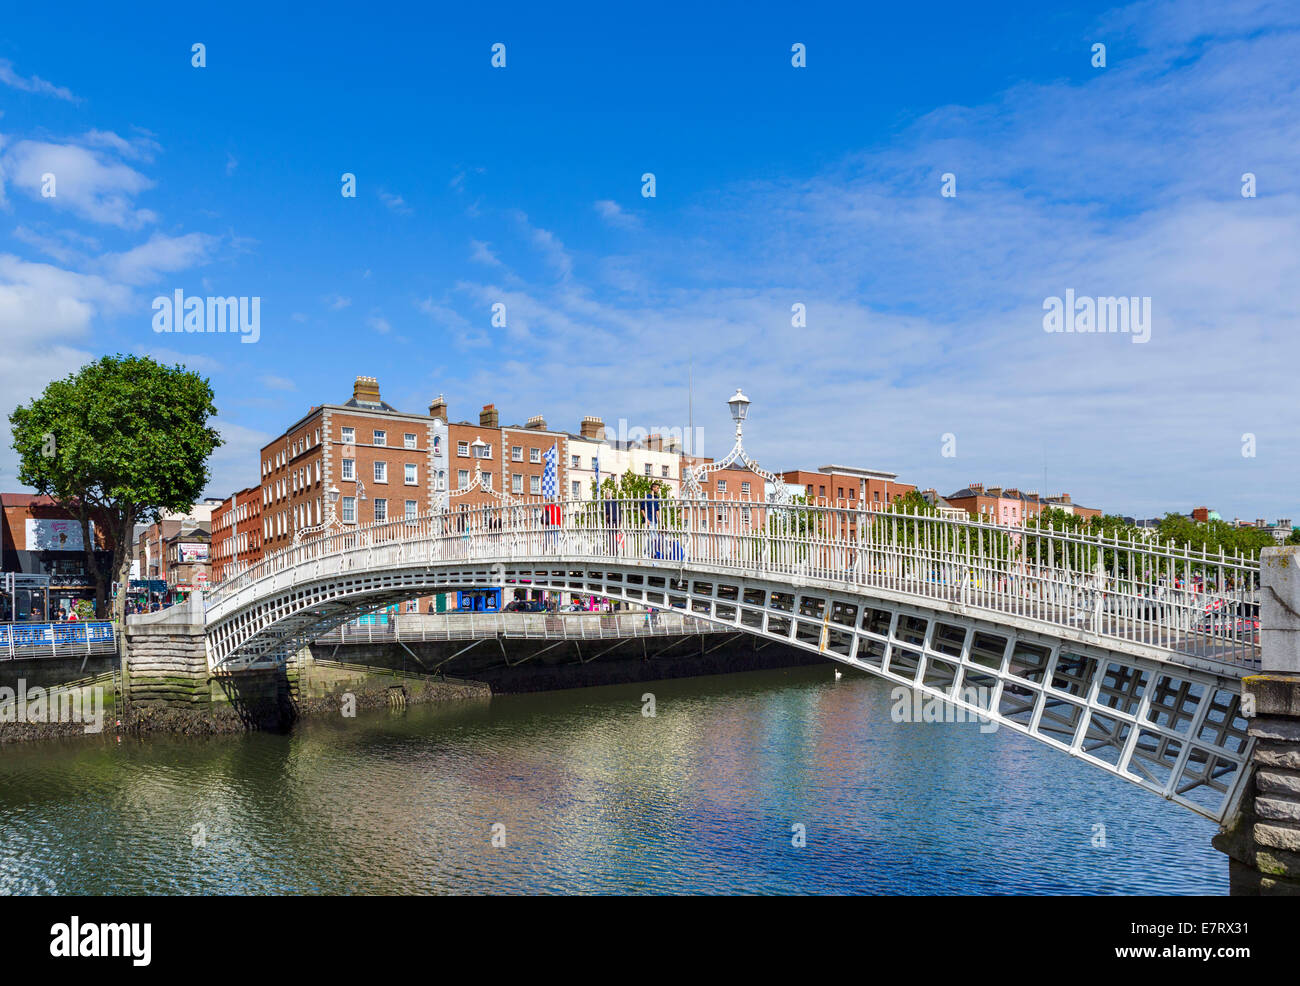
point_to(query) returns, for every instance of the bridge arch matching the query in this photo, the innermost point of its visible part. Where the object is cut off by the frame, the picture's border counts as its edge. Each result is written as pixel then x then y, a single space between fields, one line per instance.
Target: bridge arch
pixel 1122 701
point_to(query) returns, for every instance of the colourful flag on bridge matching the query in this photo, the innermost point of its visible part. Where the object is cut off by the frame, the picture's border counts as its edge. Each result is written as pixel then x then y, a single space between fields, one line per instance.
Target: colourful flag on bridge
pixel 551 482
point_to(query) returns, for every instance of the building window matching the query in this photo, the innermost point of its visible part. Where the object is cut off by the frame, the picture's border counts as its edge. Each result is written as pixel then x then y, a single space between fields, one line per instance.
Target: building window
pixel 664 471
pixel 462 449
pixel 534 484
pixel 410 509
pixel 575 461
pixel 649 469
pixel 462 479
pixel 821 491
pixel 348 510
pixel 349 469
pixel 516 453
pixel 486 480
pixel 722 486
pixel 744 489
pixel 577 489
pixel 381 510
pixel 381 437
pixel 534 455
pixel 349 435
pixel 517 483
pixel 381 472
pixel 484 451
pixel 408 439
pixel 410 474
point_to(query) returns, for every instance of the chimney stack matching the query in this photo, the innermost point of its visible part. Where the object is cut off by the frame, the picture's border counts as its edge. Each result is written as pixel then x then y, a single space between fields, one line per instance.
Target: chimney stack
pixel 655 442
pixel 366 389
pixel 488 417
pixel 976 487
pixel 536 423
pixel 1064 497
pixel 592 427
pixel 438 408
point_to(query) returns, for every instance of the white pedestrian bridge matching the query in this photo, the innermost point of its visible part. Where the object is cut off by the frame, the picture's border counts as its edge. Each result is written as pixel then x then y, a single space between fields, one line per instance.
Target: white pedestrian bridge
pixel 1123 653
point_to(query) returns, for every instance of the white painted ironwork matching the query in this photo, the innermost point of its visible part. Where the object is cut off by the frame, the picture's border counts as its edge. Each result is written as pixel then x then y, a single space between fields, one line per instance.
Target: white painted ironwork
pixel 692 486
pixel 417 627
pixel 1124 653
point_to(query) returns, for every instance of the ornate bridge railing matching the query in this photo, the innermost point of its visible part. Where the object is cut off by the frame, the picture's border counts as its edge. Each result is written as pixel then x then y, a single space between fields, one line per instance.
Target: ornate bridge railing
pixel 1188 602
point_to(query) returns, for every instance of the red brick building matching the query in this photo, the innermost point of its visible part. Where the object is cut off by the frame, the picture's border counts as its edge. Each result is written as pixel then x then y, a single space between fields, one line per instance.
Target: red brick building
pixel 848 486
pixel 380 460
pixel 236 533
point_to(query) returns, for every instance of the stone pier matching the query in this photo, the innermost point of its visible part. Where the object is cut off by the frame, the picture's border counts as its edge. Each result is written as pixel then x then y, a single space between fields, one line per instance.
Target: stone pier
pixel 1263 842
pixel 167 660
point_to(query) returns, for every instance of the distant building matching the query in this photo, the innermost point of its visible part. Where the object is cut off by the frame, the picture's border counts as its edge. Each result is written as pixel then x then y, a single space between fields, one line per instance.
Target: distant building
pixel 236 533
pixel 43 552
pixel 945 508
pixel 854 487
pixel 1010 506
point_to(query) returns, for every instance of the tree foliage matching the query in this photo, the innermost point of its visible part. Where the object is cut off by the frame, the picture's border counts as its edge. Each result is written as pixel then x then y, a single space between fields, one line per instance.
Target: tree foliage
pixel 121 440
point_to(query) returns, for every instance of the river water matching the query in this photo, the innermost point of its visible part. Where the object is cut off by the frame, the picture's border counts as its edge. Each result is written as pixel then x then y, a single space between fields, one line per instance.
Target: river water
pixel 590 795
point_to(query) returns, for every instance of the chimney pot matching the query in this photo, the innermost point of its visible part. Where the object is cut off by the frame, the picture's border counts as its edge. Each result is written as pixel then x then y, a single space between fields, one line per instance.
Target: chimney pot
pixel 438 408
pixel 593 427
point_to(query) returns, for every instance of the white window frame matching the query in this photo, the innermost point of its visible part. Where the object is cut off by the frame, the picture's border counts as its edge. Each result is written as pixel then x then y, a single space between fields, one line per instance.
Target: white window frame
pixel 381 510
pixel 380 437
pixel 410 440
pixel 535 485
pixel 348 436
pixel 348 509
pixel 516 453
pixel 534 455
pixel 348 469
pixel 410 474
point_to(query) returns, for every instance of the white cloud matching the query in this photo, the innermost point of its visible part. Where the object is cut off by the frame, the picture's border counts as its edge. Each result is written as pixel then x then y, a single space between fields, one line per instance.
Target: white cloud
pixel 88 183
pixel 481 253
pixel 272 382
pixel 379 324
pixel 34 84
pixel 613 214
pixel 337 302
pixel 234 465
pixel 395 202
pixel 161 254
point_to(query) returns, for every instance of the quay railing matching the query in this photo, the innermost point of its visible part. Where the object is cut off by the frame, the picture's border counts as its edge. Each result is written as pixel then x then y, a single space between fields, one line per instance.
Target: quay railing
pixel 1181 599
pixel 19 641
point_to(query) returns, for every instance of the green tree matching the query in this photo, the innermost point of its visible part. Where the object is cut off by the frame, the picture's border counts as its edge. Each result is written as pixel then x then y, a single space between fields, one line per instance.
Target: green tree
pixel 119 441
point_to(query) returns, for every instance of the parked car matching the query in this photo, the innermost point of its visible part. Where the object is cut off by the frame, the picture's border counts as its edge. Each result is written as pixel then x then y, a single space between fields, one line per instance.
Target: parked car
pixel 525 606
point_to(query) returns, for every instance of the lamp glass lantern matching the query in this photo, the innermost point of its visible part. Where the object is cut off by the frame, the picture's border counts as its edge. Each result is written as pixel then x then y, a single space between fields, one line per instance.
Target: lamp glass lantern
pixel 739 405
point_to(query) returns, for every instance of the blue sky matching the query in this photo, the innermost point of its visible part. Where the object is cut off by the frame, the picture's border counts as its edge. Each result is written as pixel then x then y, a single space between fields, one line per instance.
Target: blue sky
pixel 775 185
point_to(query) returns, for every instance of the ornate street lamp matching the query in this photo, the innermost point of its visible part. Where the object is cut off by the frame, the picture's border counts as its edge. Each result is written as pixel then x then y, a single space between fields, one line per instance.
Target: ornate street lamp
pixel 331 518
pixel 695 475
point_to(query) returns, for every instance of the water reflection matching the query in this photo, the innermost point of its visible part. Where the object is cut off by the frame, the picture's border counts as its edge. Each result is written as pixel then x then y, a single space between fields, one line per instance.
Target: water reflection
pixel 595 797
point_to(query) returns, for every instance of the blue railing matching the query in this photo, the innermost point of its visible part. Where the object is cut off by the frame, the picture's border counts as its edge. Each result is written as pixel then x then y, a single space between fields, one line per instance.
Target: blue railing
pixel 54 639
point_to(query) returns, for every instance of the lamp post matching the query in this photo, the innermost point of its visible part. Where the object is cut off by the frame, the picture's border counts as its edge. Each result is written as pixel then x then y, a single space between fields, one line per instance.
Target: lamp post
pixel 738 404
pixel 331 518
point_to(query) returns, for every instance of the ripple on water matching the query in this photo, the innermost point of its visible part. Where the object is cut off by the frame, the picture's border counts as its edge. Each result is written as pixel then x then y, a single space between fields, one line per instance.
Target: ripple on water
pixel 594 797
